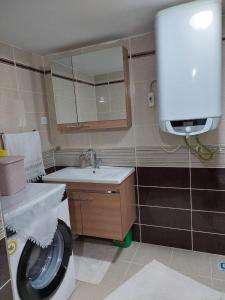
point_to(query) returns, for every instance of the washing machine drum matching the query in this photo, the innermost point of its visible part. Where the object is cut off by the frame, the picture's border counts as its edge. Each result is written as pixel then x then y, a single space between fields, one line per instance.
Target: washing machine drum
pixel 41 270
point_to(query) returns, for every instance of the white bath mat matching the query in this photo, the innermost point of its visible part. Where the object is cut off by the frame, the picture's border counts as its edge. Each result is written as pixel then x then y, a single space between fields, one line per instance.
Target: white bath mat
pixel 92 261
pixel 158 282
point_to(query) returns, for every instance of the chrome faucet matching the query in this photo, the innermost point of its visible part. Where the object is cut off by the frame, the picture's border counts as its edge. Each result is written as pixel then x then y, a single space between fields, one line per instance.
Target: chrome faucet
pixel 92 156
pixel 91 153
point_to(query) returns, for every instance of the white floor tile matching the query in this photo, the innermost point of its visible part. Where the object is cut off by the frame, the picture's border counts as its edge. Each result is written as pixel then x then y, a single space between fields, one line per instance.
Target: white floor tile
pixel 216 273
pixel 189 262
pixel 147 252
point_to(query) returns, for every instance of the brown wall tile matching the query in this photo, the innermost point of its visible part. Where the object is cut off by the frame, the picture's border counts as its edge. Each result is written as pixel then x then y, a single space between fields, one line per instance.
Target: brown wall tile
pixel 136 232
pixel 208 200
pixel 208 222
pixel 166 237
pixel 175 218
pixel 4 268
pixel 166 177
pixel 208 178
pixel 6 292
pixel 206 242
pixel 165 197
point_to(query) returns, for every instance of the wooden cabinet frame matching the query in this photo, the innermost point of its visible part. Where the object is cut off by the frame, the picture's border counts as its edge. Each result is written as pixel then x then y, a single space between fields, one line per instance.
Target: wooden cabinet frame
pixel 107 124
pixel 102 210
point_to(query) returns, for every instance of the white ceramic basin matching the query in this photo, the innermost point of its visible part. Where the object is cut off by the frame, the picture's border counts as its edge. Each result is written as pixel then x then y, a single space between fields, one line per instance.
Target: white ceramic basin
pixel 113 175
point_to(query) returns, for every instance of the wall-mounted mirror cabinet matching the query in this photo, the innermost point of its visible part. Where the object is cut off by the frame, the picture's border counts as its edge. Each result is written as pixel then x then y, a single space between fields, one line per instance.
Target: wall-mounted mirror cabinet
pixel 91 90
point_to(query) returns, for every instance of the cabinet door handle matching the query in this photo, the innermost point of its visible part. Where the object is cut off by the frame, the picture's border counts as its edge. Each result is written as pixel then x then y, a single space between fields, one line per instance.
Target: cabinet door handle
pixel 87 199
pixel 83 125
pixel 74 199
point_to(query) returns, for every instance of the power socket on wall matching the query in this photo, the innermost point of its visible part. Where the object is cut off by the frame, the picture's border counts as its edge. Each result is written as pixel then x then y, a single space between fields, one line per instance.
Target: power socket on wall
pixel 44 120
pixel 151 99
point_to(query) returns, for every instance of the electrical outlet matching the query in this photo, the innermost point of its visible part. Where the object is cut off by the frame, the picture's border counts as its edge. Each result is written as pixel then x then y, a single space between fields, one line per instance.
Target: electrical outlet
pixel 151 99
pixel 44 120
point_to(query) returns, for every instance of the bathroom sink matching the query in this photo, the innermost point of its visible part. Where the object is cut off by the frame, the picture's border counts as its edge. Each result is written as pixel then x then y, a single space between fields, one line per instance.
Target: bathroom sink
pixel 104 174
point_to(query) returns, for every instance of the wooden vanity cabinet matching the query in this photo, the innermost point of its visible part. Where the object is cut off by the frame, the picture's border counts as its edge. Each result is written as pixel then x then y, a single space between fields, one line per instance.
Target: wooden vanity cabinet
pixel 102 210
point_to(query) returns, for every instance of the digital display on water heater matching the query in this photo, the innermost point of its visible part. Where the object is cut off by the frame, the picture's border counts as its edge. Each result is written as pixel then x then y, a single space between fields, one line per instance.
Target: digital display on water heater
pixel 185 123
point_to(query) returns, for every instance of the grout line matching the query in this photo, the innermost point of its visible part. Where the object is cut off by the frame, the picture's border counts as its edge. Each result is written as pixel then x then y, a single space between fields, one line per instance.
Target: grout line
pixel 192 237
pixel 131 89
pixel 208 232
pixel 209 211
pixel 164 187
pixel 165 207
pixel 171 256
pixel 132 261
pixel 181 229
pixel 165 227
pixel 5 284
pixel 184 209
pixel 211 272
pixel 209 190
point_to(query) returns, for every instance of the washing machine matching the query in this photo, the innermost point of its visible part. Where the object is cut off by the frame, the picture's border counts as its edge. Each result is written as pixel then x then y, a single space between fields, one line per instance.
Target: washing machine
pixel 43 273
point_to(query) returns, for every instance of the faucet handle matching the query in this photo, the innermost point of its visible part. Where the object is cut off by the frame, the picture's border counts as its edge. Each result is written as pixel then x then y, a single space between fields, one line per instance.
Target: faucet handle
pixel 98 163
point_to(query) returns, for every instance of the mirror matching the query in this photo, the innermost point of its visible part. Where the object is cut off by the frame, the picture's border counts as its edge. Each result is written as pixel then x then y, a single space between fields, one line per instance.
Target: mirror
pixel 100 92
pixel 64 91
pixel 91 89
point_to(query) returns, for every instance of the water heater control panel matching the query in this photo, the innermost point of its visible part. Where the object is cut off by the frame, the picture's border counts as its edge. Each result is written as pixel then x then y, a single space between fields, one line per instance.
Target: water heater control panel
pixel 190 127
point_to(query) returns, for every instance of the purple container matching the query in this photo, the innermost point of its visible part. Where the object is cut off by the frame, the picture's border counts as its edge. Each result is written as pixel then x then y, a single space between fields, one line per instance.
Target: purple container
pixel 12 175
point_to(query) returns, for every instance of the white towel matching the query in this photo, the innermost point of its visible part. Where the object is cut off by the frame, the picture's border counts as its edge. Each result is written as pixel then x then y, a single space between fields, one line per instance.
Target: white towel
pixel 27 144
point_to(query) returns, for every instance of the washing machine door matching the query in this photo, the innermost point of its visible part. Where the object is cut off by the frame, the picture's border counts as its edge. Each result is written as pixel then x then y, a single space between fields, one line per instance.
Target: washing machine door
pixel 41 270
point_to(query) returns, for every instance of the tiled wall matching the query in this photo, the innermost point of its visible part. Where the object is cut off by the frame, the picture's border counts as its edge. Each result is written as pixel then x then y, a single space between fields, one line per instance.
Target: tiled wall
pixel 182 207
pixel 22 93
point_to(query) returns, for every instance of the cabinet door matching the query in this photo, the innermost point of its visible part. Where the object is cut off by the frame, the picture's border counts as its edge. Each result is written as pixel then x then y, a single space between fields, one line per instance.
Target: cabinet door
pixel 75 213
pixel 101 215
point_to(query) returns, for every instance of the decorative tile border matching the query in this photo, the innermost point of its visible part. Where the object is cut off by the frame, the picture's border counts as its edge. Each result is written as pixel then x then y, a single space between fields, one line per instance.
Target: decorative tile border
pixel 85 82
pixel 112 157
pixel 142 157
pixel 162 157
pixel 2 230
pixel 48 158
pixel 19 65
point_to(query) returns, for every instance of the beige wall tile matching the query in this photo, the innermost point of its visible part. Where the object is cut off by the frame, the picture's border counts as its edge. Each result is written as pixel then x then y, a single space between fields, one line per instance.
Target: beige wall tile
pixel 6 51
pixel 10 101
pixel 8 77
pixel 30 81
pixel 34 102
pixel 143 69
pixel 72 140
pixel 28 58
pixel 143 43
pixel 143 114
pixel 22 95
pixel 151 135
pixel 62 70
pixel 107 139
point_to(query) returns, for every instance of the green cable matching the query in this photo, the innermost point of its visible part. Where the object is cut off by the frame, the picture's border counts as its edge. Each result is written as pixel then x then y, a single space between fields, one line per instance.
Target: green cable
pixel 201 151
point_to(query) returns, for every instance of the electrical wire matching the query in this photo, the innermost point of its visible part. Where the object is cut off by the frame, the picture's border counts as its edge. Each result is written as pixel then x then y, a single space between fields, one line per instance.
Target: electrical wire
pixel 201 151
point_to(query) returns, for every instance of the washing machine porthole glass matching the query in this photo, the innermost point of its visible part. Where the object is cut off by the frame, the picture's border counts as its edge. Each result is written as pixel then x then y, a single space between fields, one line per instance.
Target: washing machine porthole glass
pixel 41 270
pixel 44 263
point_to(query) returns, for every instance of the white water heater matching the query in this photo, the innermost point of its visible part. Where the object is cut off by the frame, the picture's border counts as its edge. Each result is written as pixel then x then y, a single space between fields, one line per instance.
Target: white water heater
pixel 189 67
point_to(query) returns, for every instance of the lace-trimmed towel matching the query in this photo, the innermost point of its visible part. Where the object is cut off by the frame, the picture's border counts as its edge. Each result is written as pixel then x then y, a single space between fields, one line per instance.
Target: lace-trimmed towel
pixel 27 144
pixel 33 212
